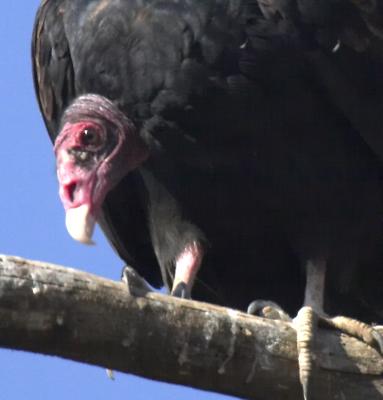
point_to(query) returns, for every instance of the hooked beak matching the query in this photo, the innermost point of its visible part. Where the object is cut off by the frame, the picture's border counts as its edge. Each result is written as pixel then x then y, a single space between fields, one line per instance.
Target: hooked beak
pixel 80 223
pixel 77 195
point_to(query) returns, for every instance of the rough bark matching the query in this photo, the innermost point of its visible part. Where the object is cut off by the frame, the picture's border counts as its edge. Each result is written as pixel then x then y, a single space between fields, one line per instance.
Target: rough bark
pixel 65 312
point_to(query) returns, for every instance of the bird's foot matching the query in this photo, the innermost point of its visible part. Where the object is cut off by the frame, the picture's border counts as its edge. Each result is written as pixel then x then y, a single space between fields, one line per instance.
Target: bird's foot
pixel 187 265
pixel 304 325
pixel 181 290
pixel 135 283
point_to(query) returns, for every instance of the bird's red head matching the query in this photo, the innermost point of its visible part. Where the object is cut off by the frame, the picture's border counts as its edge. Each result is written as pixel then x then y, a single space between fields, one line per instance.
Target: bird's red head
pixel 96 147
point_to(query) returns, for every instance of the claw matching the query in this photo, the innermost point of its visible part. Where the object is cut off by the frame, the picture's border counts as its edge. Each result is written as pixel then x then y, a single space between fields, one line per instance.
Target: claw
pixel 181 291
pixel 378 339
pixel 110 374
pixel 134 282
pixel 336 47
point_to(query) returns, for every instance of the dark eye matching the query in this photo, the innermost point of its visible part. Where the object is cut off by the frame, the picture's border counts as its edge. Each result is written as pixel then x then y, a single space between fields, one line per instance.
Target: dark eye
pixel 90 137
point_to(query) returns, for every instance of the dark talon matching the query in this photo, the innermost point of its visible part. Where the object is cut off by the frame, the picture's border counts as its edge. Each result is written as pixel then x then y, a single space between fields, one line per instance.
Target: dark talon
pixel 378 339
pixel 181 291
pixel 134 282
pixel 378 336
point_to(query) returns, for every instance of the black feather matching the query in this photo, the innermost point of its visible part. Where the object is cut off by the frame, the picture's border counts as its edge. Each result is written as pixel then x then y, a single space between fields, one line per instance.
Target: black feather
pixel 258 150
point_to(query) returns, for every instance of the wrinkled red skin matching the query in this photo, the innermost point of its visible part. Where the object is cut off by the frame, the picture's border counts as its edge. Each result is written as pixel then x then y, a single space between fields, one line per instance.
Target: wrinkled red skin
pixel 70 174
pixel 89 183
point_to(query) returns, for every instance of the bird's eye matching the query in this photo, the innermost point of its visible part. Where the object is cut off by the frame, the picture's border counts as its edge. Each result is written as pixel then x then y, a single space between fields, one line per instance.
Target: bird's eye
pixel 90 137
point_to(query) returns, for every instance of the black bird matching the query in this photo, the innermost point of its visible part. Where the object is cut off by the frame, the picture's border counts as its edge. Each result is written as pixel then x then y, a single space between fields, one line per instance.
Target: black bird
pixel 239 140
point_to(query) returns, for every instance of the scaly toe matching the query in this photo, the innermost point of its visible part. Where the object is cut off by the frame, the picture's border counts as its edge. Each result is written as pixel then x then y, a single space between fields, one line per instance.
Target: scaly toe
pixel 267 309
pixel 362 331
pixel 305 325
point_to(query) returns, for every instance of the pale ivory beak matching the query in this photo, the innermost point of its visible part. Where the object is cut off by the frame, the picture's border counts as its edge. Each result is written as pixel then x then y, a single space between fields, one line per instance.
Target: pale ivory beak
pixel 80 224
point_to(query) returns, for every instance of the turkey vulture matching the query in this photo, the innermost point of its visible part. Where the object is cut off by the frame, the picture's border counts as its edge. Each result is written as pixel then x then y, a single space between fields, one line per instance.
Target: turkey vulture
pixel 228 145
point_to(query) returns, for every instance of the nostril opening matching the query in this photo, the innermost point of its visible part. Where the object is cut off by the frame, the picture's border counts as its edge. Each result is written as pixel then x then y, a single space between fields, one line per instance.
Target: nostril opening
pixel 71 188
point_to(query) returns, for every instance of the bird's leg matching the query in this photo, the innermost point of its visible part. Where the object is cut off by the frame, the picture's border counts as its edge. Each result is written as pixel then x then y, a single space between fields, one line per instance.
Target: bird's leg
pixel 305 322
pixel 312 314
pixel 187 266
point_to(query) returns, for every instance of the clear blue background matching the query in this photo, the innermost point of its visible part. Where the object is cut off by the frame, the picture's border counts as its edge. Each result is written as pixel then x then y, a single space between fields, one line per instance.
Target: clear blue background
pixel 32 226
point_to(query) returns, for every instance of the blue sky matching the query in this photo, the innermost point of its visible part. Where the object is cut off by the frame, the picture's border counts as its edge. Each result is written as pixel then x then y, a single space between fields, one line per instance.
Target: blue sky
pixel 32 226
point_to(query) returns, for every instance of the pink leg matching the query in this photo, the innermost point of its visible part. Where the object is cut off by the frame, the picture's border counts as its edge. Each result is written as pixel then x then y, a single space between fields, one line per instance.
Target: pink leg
pixel 187 266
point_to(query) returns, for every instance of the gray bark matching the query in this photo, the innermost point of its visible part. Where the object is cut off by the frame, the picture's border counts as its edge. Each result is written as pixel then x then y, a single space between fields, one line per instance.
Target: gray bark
pixel 61 311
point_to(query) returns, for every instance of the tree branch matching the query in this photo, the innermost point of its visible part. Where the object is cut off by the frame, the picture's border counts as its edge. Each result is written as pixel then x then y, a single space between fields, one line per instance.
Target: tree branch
pixel 61 311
